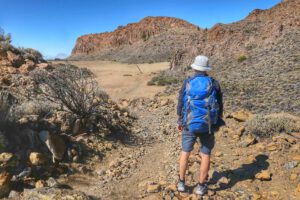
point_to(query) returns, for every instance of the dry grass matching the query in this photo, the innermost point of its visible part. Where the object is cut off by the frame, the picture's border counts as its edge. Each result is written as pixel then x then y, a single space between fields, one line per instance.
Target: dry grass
pixel 167 78
pixel 266 126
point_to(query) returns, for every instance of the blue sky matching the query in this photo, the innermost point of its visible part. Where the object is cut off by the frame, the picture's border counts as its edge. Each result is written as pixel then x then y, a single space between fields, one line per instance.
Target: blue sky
pixel 52 26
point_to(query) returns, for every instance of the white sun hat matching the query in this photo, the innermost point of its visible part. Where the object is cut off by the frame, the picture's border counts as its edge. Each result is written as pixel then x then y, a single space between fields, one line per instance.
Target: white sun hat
pixel 201 63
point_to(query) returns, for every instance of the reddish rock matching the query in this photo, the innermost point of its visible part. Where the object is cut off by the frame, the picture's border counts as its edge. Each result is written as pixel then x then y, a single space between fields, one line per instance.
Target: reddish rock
pixel 27 67
pixel 45 66
pixel 128 35
pixel 14 59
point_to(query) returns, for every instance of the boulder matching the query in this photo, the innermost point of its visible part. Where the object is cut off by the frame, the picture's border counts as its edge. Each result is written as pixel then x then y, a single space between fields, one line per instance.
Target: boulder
pixel 27 67
pixel 164 102
pixel 5 178
pixel 8 160
pixel 55 143
pixel 171 188
pixel 52 182
pixel 40 184
pixel 14 59
pixel 153 187
pixel 241 115
pixel 36 158
pixel 263 175
pixel 249 140
pixel 45 66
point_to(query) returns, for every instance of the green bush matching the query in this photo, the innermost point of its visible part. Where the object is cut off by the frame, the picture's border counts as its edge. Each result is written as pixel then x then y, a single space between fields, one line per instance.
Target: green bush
pixel 167 78
pixel 241 58
pixel 151 82
pixel 267 126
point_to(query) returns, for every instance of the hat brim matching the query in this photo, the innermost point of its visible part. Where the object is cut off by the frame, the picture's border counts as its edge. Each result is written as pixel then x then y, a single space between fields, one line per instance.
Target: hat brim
pixel 201 68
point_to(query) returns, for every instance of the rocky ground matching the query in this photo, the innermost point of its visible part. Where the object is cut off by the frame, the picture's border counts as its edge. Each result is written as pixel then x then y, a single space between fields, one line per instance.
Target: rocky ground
pixel 243 166
pixel 145 164
pixel 255 157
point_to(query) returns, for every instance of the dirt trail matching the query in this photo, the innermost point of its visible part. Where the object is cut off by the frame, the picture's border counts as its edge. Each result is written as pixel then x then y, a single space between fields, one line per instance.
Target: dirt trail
pixel 130 170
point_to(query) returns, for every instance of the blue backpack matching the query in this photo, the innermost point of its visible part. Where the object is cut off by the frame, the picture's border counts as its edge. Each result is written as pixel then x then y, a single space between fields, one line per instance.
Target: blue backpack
pixel 200 105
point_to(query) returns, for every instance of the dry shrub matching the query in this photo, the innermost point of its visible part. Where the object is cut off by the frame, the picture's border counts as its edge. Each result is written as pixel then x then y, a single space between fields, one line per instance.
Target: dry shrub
pixel 31 54
pixel 72 89
pixel 5 38
pixel 33 107
pixel 167 78
pixel 266 126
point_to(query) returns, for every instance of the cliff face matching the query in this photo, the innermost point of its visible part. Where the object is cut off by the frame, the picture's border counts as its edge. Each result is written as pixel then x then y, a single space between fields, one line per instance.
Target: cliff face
pixel 155 39
pixel 129 35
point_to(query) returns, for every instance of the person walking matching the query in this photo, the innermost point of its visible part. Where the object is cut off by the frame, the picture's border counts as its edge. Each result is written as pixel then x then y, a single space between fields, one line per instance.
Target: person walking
pixel 199 110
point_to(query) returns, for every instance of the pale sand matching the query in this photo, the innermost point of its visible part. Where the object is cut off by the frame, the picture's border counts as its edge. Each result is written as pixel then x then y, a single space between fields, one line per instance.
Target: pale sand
pixel 113 78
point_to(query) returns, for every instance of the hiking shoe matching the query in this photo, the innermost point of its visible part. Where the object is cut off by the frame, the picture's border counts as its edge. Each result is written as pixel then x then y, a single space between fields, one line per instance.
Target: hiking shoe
pixel 181 186
pixel 201 189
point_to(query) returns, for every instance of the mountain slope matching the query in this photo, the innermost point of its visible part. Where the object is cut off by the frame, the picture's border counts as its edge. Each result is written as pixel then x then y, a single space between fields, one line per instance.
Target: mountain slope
pixel 152 36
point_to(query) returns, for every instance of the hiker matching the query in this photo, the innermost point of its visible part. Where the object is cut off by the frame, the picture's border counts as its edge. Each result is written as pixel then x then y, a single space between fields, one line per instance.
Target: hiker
pixel 199 111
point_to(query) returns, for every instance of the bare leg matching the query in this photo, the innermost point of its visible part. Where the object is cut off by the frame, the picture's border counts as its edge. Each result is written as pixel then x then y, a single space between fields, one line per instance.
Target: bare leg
pixel 184 156
pixel 204 167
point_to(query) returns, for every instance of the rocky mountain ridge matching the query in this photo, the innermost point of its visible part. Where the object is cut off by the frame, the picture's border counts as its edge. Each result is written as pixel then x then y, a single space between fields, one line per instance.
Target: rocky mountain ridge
pixel 156 39
pixel 129 35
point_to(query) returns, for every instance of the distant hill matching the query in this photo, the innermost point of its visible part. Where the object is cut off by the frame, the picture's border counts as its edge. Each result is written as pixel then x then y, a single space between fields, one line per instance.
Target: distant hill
pixel 150 40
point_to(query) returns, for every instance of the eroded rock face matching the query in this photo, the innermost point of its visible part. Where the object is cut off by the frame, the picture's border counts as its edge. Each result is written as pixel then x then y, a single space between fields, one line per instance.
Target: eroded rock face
pixel 130 35
pixel 156 39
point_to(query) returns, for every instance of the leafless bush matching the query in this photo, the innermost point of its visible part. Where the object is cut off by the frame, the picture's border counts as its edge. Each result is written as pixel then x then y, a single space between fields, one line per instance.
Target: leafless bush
pixel 5 38
pixel 31 54
pixel 33 107
pixel 70 88
pixel 266 126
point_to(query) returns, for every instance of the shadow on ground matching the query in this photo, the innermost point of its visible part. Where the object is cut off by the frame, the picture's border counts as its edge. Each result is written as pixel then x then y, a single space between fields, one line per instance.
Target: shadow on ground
pixel 245 172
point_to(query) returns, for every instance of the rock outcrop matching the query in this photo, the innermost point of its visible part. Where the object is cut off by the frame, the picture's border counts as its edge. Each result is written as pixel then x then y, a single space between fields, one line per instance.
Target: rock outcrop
pixel 124 44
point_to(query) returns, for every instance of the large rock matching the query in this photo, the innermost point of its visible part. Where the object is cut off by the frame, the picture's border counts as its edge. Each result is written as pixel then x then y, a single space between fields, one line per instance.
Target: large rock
pixel 241 115
pixel 8 160
pixel 45 66
pixel 53 194
pixel 55 143
pixel 263 175
pixel 27 67
pixel 36 158
pixel 14 59
pixel 153 187
pixel 5 178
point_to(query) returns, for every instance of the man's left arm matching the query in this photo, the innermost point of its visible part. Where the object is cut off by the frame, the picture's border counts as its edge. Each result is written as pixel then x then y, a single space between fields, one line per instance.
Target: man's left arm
pixel 219 98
